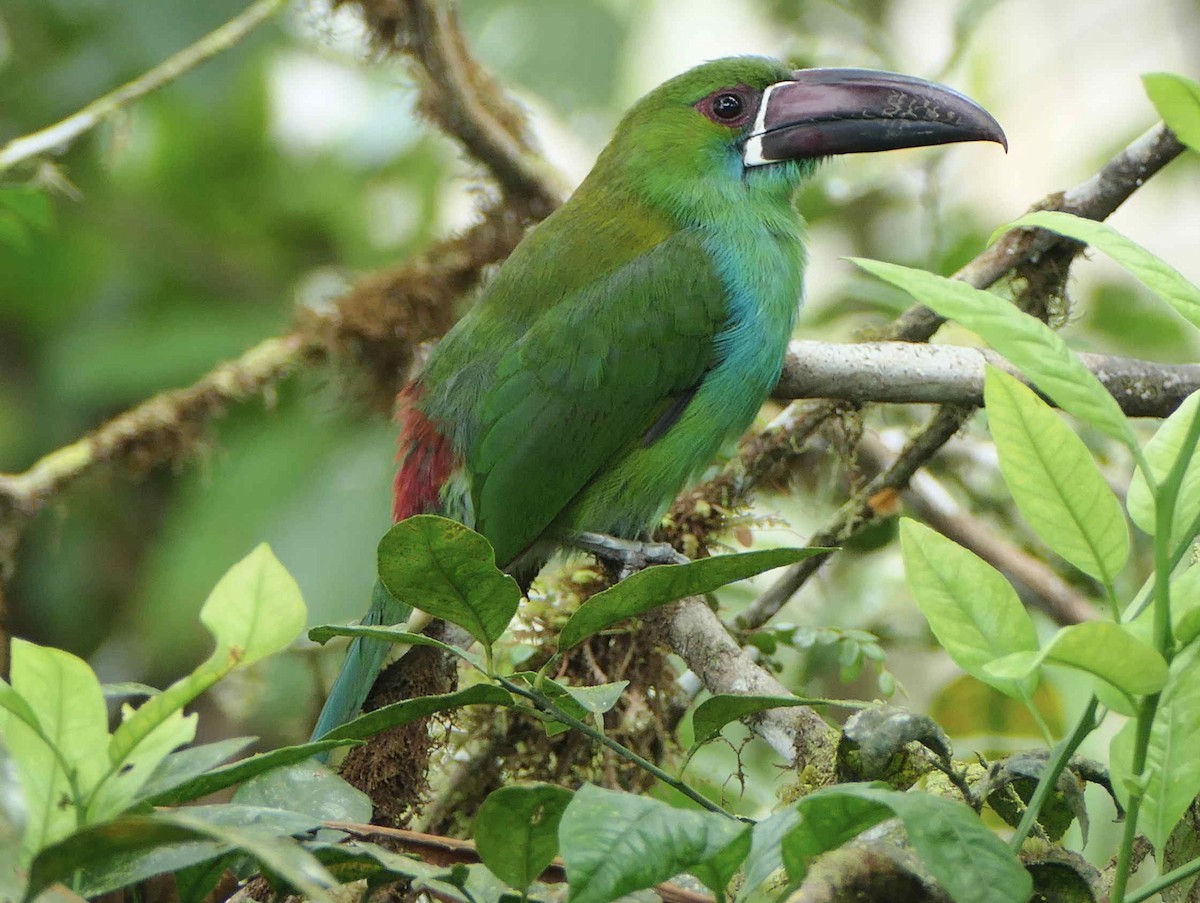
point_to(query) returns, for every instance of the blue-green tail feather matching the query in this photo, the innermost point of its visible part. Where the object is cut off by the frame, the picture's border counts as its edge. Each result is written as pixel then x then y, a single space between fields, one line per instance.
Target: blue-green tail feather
pixel 364 659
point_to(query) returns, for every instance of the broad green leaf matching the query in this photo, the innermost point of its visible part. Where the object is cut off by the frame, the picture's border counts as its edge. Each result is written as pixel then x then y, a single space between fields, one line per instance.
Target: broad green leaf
pixel 1172 772
pixel 1054 479
pixel 1161 453
pixel 946 834
pixel 210 781
pixel 663 584
pixel 255 610
pixel 714 713
pixel 67 753
pixel 1032 346
pixel 395 635
pixel 1177 100
pixel 971 609
pixel 187 764
pixel 258 832
pixel 599 698
pixel 827 819
pixel 578 702
pixel 516 830
pixel 449 571
pixel 1111 653
pixel 127 869
pixel 310 788
pixel 615 843
pixel 122 786
pixel 410 710
pixel 766 855
pixel 1156 274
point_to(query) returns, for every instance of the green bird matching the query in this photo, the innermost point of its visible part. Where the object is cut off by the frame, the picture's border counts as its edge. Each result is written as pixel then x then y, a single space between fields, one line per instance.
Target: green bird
pixel 642 325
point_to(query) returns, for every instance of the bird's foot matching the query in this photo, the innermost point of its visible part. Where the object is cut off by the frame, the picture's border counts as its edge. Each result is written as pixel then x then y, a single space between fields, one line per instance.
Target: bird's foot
pixel 627 555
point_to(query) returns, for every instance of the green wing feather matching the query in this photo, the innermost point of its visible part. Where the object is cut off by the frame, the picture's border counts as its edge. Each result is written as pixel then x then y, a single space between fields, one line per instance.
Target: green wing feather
pixel 587 379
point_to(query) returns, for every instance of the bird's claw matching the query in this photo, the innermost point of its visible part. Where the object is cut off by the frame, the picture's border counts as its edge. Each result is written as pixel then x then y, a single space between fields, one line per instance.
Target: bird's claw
pixel 630 555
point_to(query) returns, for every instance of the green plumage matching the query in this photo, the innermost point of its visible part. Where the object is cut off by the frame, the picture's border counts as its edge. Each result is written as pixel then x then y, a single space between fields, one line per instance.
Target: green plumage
pixel 665 287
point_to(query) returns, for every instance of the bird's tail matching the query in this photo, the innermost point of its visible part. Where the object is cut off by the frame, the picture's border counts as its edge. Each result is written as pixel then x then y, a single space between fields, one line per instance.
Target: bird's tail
pixel 364 659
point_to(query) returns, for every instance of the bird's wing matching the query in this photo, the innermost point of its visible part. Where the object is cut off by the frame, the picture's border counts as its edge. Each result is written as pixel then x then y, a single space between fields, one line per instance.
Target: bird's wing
pixel 590 376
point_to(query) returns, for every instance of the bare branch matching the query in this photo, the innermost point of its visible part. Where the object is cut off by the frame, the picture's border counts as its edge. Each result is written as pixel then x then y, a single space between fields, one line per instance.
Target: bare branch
pixel 59 136
pixel 798 734
pixel 910 372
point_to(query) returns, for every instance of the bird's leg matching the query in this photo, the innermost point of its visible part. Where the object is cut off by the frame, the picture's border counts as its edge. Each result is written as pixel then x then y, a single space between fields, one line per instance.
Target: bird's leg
pixel 629 555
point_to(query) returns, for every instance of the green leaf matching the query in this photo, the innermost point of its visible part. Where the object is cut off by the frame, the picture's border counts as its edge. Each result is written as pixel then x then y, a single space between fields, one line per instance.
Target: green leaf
pixel 946 834
pixel 449 571
pixel 1177 100
pixel 596 699
pixel 766 856
pixel 310 788
pixel 971 609
pixel 827 819
pixel 1161 453
pixel 410 710
pixel 395 635
pixel 1032 346
pixel 183 766
pixel 1054 479
pixel 615 843
pixel 714 713
pixel 122 786
pixel 255 610
pixel 1172 767
pixel 656 586
pixel 1156 274
pixel 516 831
pixel 1111 653
pixel 257 832
pixel 236 772
pixel 63 759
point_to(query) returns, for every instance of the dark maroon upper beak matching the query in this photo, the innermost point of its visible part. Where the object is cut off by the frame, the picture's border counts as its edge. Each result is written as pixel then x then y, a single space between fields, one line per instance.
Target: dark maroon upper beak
pixel 823 112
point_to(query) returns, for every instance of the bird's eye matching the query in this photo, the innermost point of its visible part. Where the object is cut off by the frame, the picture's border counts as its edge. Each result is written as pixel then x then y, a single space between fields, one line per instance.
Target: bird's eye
pixel 727 106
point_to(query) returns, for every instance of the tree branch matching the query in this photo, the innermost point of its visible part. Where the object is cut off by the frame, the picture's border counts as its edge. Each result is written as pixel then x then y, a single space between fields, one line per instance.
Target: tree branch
pixel 59 136
pixel 909 372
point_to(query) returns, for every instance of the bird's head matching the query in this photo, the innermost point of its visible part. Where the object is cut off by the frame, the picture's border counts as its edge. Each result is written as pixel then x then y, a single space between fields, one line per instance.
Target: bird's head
pixel 753 124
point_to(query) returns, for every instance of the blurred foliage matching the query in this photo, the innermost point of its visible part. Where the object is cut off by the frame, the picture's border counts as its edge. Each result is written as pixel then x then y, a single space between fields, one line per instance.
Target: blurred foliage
pixel 192 226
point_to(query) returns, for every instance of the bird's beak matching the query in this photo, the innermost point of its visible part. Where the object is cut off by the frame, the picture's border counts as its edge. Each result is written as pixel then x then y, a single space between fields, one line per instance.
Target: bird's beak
pixel 823 112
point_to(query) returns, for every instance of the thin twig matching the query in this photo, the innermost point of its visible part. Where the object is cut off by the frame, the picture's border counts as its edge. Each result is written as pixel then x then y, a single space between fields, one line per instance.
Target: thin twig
pixel 58 137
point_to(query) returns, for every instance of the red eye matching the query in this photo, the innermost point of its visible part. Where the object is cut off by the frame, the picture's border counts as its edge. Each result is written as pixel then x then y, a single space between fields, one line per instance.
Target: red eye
pixel 728 106
pixel 731 107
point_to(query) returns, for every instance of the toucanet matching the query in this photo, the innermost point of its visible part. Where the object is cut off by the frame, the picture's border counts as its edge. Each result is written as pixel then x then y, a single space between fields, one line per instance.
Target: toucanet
pixel 642 324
